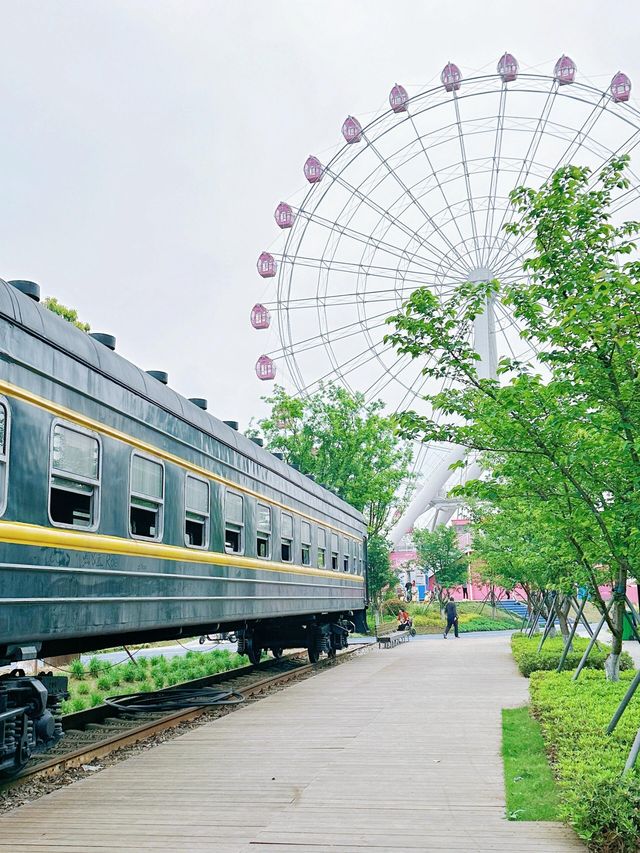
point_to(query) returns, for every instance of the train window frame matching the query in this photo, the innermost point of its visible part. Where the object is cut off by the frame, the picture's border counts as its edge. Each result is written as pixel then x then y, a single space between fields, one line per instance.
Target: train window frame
pixel 4 456
pixel 360 563
pixel 322 548
pixel 305 544
pixel 73 478
pixel 233 526
pixel 158 536
pixel 204 516
pixel 345 554
pixel 335 552
pixel 265 531
pixel 286 541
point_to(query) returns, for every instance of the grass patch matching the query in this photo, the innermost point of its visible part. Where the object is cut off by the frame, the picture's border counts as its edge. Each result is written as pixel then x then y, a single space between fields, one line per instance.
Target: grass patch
pixel 88 686
pixel 602 805
pixel 529 659
pixel 531 790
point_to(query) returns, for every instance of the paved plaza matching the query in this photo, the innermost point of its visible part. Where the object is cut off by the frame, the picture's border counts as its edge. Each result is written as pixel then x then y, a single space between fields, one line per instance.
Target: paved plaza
pixel 396 750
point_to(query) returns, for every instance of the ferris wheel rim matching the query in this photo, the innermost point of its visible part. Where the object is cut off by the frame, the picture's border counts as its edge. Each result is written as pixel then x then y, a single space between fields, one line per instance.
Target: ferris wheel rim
pixel 297 235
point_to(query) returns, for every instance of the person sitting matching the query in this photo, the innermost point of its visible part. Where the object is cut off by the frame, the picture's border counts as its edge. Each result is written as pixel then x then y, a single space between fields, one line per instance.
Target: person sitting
pixel 404 620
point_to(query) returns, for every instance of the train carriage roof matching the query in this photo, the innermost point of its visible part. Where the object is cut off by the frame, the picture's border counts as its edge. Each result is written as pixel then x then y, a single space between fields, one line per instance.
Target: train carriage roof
pixel 64 336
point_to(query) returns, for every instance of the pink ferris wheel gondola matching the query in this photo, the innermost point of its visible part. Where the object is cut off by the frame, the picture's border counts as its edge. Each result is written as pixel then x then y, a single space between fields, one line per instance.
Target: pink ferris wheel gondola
pixel 260 317
pixel 620 88
pixel 398 99
pixel 267 266
pixel 313 170
pixel 265 368
pixel 284 215
pixel 508 68
pixel 451 77
pixel 565 70
pixel 352 130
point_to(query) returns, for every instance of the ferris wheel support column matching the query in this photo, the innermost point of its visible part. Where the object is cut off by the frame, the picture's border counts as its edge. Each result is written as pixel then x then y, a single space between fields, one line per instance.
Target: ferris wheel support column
pixel 484 341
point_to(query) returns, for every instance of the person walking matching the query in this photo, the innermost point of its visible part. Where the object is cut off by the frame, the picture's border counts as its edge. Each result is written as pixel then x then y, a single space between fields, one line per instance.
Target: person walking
pixel 451 613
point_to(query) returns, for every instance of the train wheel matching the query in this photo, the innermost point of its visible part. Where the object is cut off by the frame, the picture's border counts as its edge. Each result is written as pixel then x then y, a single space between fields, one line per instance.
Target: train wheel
pixel 277 652
pixel 253 652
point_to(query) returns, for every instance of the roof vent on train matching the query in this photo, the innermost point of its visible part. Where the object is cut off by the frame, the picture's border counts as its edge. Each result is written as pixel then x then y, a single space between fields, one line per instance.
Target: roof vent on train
pixel 108 341
pixel 29 288
pixel 232 424
pixel 160 375
pixel 258 441
pixel 278 455
pixel 200 402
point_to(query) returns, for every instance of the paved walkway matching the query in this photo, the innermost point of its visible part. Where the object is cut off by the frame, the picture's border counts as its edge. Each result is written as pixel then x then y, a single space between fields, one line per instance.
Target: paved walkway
pixel 397 750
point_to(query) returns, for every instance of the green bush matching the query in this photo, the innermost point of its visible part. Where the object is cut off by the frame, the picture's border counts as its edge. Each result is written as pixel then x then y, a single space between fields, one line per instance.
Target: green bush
pixel 95 699
pixel 104 683
pixel 83 689
pixel 601 804
pixel 485 623
pixel 529 659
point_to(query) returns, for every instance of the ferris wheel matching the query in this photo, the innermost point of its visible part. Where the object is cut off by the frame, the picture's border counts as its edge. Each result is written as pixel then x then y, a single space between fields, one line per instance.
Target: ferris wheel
pixel 419 197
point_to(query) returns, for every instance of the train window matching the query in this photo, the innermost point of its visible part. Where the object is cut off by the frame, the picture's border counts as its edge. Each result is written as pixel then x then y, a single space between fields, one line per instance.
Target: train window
pixel 354 557
pixel 147 498
pixel 360 565
pixel 196 523
pixel 234 524
pixel 74 482
pixel 286 536
pixel 4 454
pixel 263 537
pixel 334 552
pixel 345 554
pixel 322 548
pixel 305 539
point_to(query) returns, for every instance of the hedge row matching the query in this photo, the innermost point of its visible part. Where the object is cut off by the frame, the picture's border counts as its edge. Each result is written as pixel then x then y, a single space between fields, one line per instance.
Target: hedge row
pixel 529 659
pixel 602 805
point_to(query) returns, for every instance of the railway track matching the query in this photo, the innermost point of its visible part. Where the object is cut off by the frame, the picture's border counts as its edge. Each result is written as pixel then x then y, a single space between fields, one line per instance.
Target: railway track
pixel 99 731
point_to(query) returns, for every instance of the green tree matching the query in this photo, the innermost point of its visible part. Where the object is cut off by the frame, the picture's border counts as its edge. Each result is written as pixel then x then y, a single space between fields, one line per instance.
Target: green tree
pixel 69 314
pixel 566 435
pixel 346 444
pixel 352 448
pixel 438 553
pixel 380 577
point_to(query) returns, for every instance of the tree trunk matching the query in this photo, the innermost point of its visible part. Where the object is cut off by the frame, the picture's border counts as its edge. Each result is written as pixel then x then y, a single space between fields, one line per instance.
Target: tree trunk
pixel 562 611
pixel 612 663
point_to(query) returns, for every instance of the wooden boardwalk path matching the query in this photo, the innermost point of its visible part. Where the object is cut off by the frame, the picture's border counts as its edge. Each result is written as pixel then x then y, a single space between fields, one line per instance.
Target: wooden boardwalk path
pixel 394 751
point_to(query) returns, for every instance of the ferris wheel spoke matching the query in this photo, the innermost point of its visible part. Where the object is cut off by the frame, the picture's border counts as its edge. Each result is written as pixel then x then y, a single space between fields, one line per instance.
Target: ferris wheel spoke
pixel 357 327
pixel 409 193
pixel 355 268
pixel 532 150
pixel 578 140
pixel 467 180
pixel 352 364
pixel 384 214
pixel 365 239
pixel 495 166
pixel 435 174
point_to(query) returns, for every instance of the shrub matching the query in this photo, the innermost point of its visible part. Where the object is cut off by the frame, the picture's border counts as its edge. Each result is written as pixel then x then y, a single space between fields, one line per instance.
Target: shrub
pixel 78 705
pixel 104 682
pixel 601 804
pixel 83 689
pixel 529 659
pixel 95 666
pixel 129 673
pixel 485 623
pixel 158 680
pixel 95 699
pixel 77 668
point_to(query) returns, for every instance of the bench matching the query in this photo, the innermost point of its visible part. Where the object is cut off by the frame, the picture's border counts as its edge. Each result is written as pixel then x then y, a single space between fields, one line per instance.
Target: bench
pixel 386 641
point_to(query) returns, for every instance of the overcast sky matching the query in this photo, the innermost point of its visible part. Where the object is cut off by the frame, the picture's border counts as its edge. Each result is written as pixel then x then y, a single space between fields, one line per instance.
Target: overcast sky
pixel 145 144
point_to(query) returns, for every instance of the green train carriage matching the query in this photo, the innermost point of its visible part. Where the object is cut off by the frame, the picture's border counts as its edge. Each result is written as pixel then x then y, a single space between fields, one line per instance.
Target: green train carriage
pixel 129 514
